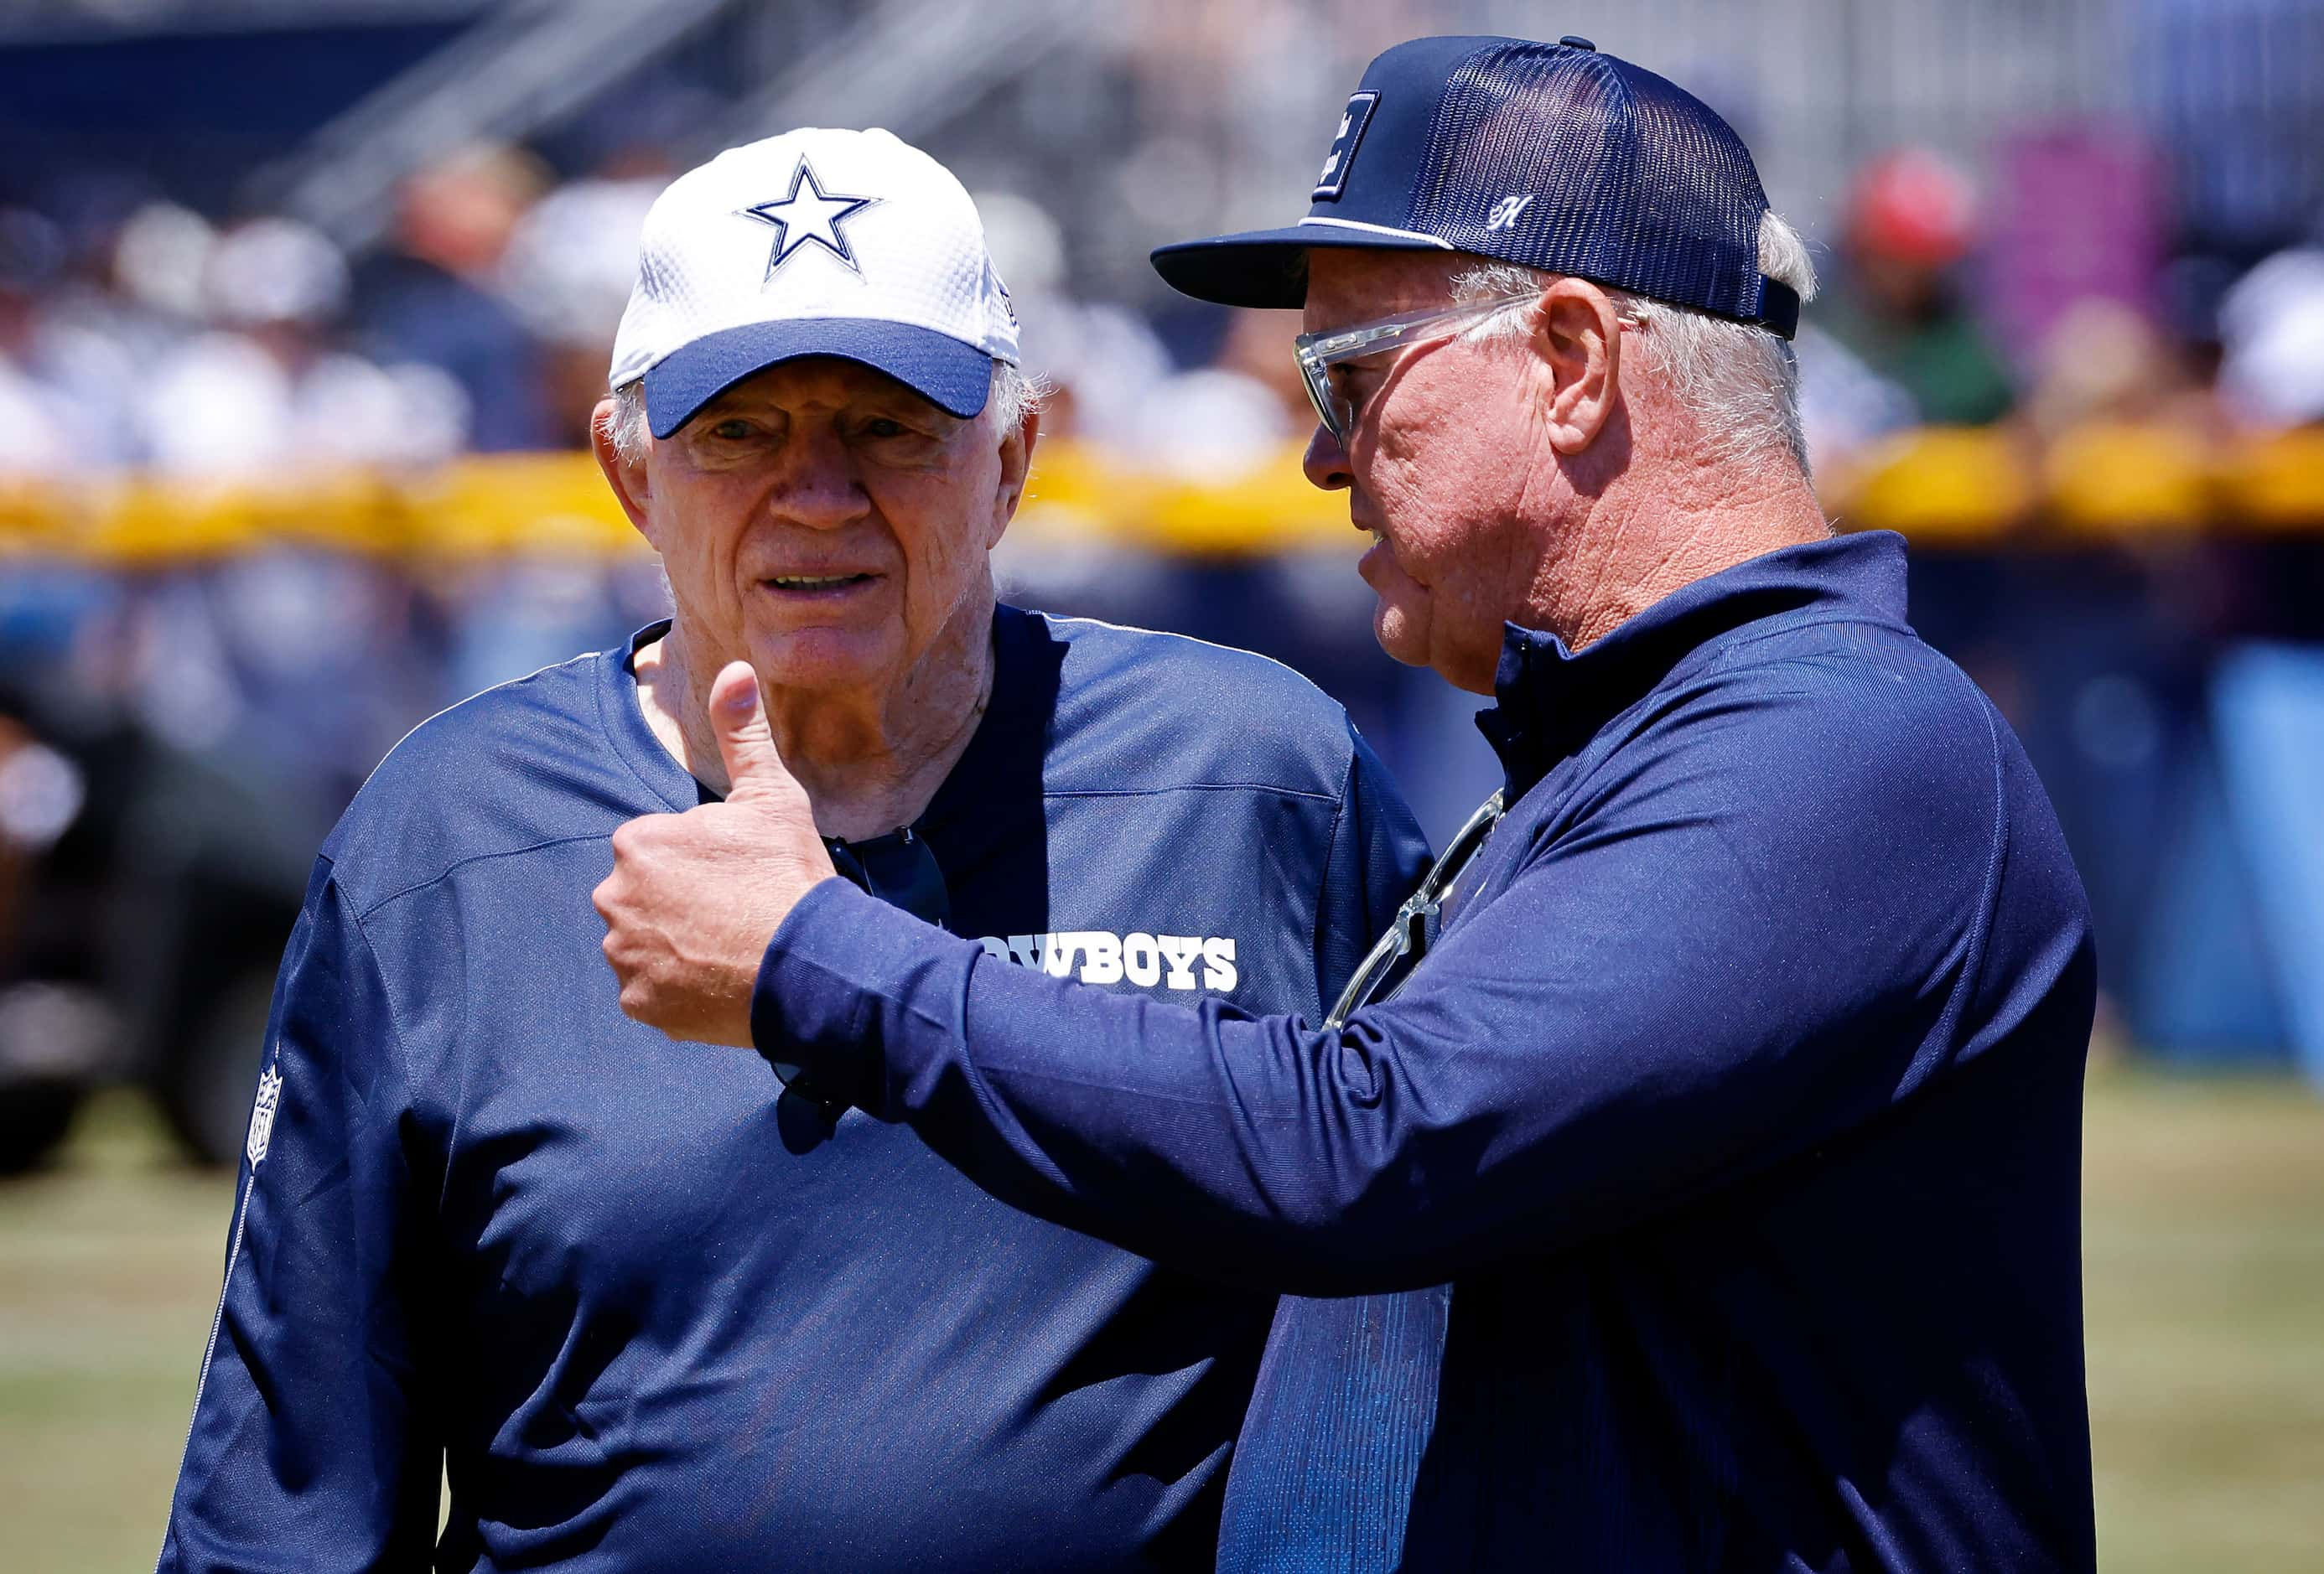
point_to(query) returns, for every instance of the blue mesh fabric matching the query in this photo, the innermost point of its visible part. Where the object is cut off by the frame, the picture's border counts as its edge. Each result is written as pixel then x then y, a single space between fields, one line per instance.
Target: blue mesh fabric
pixel 1633 181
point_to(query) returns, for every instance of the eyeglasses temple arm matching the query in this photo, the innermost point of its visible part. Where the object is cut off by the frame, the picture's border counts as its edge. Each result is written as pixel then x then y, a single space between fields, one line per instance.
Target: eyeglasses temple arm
pixel 1384 948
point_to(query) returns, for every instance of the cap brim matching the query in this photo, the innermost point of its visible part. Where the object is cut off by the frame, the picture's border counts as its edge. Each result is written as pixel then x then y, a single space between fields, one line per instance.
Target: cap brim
pixel 1269 267
pixel 954 375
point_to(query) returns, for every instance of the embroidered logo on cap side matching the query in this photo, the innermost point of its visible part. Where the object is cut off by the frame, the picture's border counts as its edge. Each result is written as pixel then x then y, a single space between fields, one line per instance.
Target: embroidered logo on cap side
pixel 1357 115
pixel 811 214
pixel 1505 212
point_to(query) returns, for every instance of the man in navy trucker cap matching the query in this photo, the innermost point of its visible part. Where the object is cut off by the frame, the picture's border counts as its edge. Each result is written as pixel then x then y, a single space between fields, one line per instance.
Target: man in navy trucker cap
pixel 1737 1091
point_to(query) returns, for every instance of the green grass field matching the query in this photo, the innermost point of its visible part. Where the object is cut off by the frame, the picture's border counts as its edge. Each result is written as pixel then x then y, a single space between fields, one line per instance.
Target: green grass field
pixel 2204 1261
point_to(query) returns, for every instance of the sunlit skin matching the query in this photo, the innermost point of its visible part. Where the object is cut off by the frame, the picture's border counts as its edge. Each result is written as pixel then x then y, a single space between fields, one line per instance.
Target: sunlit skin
pixel 1549 481
pixel 826 469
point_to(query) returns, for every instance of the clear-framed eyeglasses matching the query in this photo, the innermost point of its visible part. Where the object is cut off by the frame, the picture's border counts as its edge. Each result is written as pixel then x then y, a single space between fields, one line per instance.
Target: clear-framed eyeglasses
pixel 1391 959
pixel 1319 353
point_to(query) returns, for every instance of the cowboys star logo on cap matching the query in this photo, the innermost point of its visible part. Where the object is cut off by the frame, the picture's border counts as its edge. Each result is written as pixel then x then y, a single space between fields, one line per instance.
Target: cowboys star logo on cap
pixel 909 289
pixel 814 214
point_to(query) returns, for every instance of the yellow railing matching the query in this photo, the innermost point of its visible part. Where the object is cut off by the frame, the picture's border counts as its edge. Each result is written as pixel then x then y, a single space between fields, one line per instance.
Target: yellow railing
pixel 1941 486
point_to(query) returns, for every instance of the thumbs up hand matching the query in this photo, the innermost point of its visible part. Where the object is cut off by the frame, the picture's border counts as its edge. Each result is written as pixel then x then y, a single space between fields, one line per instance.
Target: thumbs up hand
pixel 694 898
pixel 754 772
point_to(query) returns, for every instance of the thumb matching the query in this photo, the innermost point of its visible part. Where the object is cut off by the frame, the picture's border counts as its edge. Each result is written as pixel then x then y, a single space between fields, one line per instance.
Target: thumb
pixel 754 769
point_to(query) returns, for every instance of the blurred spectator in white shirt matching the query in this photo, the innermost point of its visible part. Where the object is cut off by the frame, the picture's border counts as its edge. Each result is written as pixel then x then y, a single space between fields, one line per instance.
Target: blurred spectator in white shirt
pixel 1238 414
pixel 567 275
pixel 2271 340
pixel 267 393
pixel 1101 362
pixel 62 385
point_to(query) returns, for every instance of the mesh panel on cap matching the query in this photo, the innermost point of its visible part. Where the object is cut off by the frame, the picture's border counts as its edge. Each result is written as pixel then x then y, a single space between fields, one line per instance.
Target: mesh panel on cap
pixel 1633 182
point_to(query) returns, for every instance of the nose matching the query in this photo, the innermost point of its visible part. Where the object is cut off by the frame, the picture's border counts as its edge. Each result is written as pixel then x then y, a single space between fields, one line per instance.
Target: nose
pixel 1325 461
pixel 819 485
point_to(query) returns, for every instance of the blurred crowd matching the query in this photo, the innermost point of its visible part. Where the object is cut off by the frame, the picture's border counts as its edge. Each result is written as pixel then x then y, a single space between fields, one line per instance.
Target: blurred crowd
pixel 161 339
pixel 158 338
pixel 1927 322
pixel 257 349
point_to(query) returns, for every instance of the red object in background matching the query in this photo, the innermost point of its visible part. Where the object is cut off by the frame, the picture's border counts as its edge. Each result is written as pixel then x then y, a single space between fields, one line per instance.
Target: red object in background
pixel 1913 206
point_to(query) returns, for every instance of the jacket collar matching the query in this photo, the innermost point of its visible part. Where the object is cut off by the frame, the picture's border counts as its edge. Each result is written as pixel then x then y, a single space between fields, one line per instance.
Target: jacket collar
pixel 1553 701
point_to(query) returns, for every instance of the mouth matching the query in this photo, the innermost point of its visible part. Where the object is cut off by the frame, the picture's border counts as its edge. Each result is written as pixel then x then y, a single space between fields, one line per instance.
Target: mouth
pixel 1378 568
pixel 817 586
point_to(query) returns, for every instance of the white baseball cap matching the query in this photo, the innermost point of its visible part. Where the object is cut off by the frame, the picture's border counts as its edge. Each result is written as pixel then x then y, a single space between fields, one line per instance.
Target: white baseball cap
pixel 815 243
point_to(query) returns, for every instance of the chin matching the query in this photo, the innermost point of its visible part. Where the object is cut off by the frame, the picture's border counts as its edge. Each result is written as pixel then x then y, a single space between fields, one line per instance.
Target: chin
pixel 821 659
pixel 1404 637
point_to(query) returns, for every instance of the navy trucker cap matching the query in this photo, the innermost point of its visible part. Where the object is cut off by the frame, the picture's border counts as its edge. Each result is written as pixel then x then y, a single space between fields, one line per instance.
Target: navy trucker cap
pixel 1548 154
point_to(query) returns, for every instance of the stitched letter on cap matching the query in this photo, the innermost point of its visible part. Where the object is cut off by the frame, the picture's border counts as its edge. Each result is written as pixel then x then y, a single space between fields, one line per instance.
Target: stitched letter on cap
pixel 1334 178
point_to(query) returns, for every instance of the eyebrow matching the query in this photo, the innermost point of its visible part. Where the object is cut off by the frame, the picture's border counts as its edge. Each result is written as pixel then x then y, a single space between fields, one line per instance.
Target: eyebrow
pixel 732 404
pixel 896 397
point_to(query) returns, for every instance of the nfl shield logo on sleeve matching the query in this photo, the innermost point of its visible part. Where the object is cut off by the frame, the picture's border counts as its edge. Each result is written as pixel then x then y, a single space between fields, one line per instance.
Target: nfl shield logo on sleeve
pixel 261 1115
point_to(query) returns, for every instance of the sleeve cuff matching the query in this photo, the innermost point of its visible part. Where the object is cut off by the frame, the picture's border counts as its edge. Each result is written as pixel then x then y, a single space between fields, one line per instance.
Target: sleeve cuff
pixel 851 991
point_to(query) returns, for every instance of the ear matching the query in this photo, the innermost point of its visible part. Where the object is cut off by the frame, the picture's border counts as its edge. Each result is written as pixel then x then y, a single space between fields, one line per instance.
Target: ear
pixel 1578 335
pixel 627 478
pixel 1016 465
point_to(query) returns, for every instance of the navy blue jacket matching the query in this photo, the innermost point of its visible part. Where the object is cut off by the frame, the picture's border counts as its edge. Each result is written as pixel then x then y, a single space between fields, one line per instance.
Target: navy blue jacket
pixel 1740 1098
pixel 648 1315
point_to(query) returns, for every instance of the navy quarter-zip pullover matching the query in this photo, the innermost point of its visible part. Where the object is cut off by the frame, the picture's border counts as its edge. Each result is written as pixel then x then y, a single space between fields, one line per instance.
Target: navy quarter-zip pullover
pixel 644 1313
pixel 1739 1098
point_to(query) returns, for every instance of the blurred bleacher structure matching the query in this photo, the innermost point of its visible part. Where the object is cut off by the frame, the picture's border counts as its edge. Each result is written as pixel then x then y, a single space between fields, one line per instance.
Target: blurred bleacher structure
pixel 303 307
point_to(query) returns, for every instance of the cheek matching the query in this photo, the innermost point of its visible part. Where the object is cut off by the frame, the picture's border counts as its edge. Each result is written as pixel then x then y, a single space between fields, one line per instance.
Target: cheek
pixel 1421 512
pixel 941 544
pixel 699 544
pixel 1448 513
pixel 1446 494
pixel 941 566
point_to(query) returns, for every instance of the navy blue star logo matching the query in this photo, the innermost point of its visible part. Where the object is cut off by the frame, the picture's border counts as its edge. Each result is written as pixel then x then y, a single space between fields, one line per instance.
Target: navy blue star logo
pixel 809 213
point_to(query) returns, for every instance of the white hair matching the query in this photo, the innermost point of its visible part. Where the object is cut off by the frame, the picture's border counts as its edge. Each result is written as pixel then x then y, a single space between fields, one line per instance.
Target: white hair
pixel 1014 393
pixel 1740 380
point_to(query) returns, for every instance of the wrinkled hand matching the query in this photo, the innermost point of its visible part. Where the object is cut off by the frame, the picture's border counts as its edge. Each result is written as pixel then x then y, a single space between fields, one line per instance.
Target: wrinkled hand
pixel 694 898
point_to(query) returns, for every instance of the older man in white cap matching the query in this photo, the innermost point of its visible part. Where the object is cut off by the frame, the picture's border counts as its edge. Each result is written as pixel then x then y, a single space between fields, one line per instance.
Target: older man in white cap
pixel 642 1309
